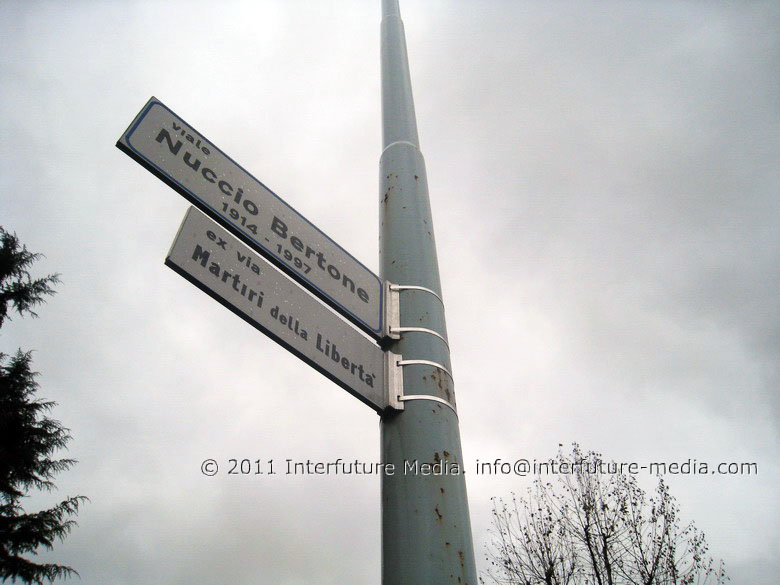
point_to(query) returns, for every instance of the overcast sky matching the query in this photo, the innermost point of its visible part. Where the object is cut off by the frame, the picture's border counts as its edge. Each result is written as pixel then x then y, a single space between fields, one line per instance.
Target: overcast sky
pixel 604 182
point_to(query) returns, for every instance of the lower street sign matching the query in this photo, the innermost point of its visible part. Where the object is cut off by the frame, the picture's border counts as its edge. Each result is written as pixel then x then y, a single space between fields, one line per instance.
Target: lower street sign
pixel 247 284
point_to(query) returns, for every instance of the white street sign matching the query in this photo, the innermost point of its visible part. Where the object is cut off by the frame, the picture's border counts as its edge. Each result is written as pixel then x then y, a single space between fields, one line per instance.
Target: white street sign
pixel 176 153
pixel 247 284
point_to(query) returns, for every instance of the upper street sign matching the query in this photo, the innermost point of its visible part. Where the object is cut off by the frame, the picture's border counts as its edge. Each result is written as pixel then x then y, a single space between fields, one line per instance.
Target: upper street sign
pixel 171 149
pixel 247 284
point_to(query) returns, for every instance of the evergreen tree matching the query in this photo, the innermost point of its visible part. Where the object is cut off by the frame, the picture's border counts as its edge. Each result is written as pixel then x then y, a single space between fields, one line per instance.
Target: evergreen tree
pixel 28 437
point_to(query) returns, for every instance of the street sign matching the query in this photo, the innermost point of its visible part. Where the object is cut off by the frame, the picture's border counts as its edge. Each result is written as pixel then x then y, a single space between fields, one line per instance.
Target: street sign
pixel 250 286
pixel 171 149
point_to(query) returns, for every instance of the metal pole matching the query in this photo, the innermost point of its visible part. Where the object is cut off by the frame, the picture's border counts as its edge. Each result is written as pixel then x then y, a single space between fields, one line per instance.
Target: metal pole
pixel 426 531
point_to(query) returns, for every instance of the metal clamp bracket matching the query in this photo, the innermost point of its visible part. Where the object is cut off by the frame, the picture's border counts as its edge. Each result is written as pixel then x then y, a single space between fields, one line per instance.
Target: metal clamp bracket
pixel 400 287
pixel 404 362
pixel 399 330
pixel 395 381
pixel 427 397
pixel 394 363
pixel 393 328
pixel 392 311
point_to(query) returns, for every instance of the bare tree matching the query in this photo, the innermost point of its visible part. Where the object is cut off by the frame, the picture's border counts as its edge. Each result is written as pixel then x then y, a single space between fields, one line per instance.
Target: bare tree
pixel 597 528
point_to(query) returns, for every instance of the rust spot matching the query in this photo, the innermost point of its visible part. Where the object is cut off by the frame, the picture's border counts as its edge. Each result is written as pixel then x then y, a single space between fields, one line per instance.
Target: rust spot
pixel 446 455
pixel 462 560
pixel 436 509
pixel 442 491
pixel 436 458
pixel 446 544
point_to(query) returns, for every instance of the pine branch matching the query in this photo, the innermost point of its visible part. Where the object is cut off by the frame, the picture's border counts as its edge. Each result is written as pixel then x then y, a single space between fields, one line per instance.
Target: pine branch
pixel 17 287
